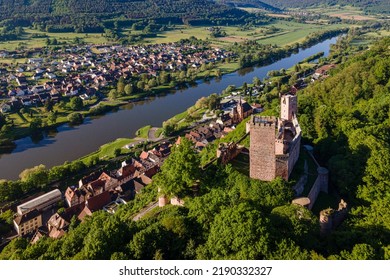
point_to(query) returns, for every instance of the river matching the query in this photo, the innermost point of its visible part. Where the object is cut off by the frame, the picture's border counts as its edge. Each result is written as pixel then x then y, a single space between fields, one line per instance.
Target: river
pixel 69 143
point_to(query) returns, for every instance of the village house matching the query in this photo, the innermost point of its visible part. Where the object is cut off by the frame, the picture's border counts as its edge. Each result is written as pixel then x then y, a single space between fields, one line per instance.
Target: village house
pixel 108 65
pixel 323 71
pixel 205 134
pixel 28 222
pixel 74 195
pixel 94 204
pixel 41 203
pixel 57 226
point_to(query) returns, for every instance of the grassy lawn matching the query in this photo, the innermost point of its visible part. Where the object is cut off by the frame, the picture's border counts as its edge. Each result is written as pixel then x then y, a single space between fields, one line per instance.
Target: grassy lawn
pixel 370 38
pixel 18 119
pixel 229 67
pixel 180 32
pixel 158 132
pixel 12 60
pixel 288 33
pixel 179 117
pixel 293 32
pixel 67 37
pixel 378 34
pixel 143 131
pixel 107 151
pixel 343 12
pixel 252 10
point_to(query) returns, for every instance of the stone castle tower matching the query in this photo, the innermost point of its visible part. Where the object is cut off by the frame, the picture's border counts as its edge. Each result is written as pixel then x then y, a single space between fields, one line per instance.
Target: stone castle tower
pixel 288 107
pixel 262 148
pixel 275 143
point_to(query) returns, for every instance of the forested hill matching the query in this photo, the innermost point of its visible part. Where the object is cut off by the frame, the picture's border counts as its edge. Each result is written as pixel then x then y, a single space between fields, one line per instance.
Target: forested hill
pixel 249 4
pixel 347 116
pixel 375 6
pixel 128 8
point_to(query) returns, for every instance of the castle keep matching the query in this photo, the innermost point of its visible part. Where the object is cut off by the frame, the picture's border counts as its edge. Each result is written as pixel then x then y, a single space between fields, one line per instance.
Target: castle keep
pixel 275 142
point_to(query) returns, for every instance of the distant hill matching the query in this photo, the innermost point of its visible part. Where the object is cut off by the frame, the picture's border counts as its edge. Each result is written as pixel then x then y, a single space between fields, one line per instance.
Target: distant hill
pixel 133 9
pixel 375 6
pixel 249 4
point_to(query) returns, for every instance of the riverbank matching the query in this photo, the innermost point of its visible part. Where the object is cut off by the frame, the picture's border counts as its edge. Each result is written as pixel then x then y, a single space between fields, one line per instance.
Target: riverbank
pixel 68 143
pixel 22 123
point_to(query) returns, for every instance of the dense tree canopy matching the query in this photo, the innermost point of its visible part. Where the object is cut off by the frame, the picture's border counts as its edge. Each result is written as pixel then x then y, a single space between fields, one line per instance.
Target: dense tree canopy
pixel 180 171
pixel 230 216
pixel 349 115
pixel 368 5
pixel 69 15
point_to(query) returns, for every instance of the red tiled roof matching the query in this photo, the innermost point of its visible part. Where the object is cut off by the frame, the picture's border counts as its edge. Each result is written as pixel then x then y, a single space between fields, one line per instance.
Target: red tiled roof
pixel 104 176
pixel 73 211
pixel 144 155
pixel 325 68
pixel 97 202
pixel 127 170
pixel 152 171
pixel 56 233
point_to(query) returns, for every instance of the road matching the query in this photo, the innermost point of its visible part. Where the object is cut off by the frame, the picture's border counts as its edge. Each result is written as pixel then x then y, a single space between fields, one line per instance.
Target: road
pixel 152 135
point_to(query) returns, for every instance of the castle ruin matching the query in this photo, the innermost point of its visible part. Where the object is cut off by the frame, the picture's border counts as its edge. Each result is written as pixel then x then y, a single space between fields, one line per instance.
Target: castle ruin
pixel 228 151
pixel 331 218
pixel 275 142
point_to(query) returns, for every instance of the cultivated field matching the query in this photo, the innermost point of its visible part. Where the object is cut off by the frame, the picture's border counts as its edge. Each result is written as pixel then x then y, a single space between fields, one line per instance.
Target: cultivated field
pixel 29 42
pixel 279 15
pixel 282 32
pixel 292 32
pixel 370 37
pixel 344 12
pixel 286 32
pixel 352 16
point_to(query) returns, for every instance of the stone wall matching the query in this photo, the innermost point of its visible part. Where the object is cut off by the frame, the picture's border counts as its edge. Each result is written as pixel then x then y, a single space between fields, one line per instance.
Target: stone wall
pixel 288 107
pixel 295 146
pixel 330 218
pixel 227 152
pixel 321 184
pixel 177 201
pixel 262 148
pixel 162 201
pixel 282 166
pixel 293 156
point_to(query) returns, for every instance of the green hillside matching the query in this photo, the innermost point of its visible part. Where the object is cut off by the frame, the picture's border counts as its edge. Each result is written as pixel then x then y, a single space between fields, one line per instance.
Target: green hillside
pixel 374 6
pixel 55 9
pixel 249 4
pixel 234 217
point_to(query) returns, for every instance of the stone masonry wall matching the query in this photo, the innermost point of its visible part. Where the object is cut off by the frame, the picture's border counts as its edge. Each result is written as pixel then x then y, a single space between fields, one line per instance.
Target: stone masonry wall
pixel 282 167
pixel 262 149
pixel 321 184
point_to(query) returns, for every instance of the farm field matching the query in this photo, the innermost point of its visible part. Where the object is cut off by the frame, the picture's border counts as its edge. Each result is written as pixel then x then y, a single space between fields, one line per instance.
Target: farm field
pixel 370 37
pixel 292 32
pixel 286 32
pixel 281 32
pixel 343 12
pixel 29 42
